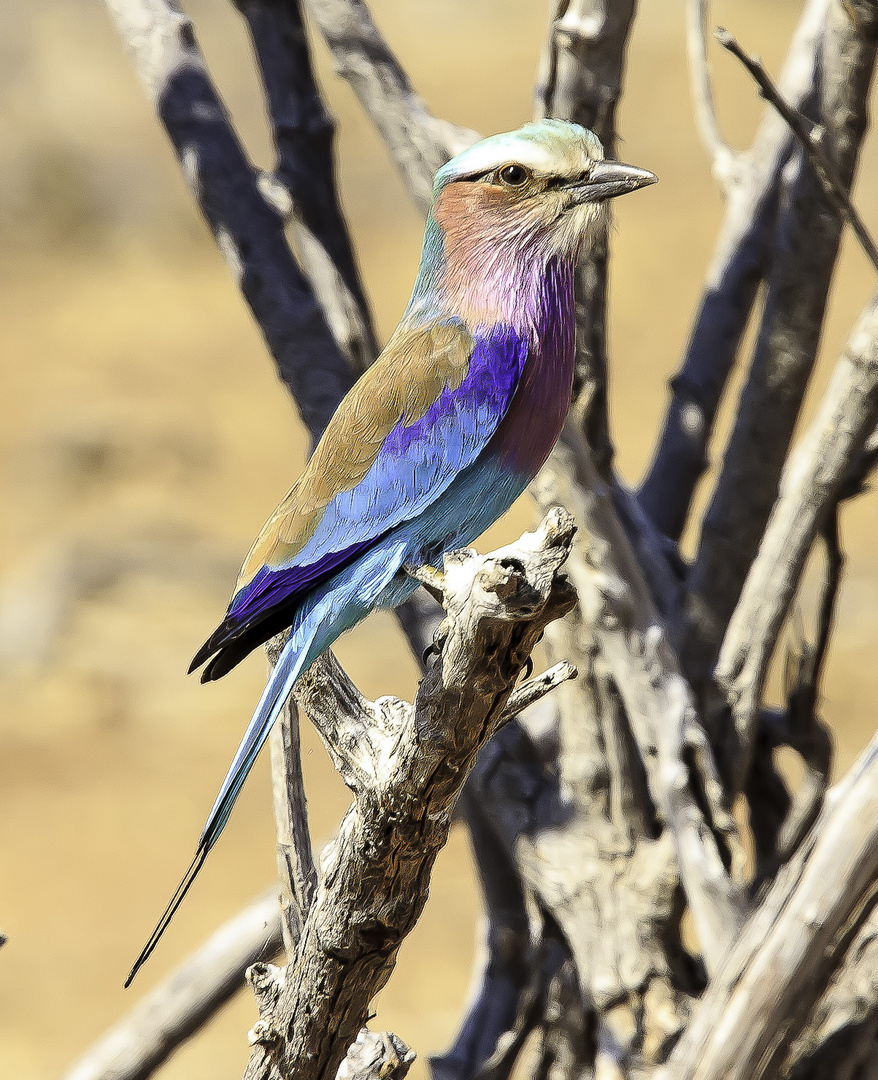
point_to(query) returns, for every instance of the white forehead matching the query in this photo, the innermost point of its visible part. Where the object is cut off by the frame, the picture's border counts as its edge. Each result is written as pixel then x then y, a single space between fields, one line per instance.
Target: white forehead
pixel 549 147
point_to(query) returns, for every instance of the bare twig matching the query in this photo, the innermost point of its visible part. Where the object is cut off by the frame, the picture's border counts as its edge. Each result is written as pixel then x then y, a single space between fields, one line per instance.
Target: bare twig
pixel 726 167
pixel 806 133
pixel 535 689
pixel 168 1015
pixel 739 263
pixel 782 962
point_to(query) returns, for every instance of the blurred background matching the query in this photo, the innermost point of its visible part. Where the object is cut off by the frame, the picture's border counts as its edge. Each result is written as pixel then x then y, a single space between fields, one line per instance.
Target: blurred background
pixel 144 438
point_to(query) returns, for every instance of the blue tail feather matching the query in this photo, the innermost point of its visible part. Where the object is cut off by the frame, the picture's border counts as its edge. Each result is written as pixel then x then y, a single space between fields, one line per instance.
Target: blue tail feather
pixel 366 584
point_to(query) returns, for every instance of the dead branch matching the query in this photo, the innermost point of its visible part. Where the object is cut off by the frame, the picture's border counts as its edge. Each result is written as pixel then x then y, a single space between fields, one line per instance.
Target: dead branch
pixel 405 767
pixel 806 245
pixel 810 484
pixel 724 161
pixel 303 184
pixel 810 142
pixel 739 263
pixel 842 1032
pixel 170 1013
pixel 580 79
pixel 418 142
pixel 786 954
pixel 248 229
pixel 619 611
pixel 295 863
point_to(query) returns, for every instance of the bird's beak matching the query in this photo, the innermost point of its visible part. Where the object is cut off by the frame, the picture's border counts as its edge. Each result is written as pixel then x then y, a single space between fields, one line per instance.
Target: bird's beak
pixel 608 179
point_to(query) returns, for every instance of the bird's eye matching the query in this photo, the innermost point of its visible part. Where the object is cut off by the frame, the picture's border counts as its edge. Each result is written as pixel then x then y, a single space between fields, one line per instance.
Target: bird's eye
pixel 514 175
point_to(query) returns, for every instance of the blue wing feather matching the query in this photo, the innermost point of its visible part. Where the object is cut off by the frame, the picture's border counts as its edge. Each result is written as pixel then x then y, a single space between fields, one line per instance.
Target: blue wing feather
pixel 414 465
pixel 418 461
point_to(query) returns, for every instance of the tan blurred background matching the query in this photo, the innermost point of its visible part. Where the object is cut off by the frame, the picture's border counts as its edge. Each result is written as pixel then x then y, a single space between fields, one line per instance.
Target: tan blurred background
pixel 144 439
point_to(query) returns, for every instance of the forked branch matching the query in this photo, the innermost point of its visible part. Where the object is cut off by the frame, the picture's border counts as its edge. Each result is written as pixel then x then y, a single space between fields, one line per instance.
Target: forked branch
pixel 405 766
pixel 808 135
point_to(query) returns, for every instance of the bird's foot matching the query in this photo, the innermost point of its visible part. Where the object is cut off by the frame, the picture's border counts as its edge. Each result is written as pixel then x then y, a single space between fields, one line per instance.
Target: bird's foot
pixel 432 579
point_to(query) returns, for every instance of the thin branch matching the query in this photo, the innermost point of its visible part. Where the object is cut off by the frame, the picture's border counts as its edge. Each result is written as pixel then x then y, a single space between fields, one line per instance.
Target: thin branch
pixel 726 166
pixel 810 485
pixel 303 134
pixel 738 265
pixel 807 135
pixel 783 960
pixel 170 1013
pixel 536 689
pixel 806 246
pixel 295 863
pixel 418 142
pixel 248 229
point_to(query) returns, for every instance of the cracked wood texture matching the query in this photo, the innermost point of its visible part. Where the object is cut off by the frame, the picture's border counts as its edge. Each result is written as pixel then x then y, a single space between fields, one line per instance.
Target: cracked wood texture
pixel 405 766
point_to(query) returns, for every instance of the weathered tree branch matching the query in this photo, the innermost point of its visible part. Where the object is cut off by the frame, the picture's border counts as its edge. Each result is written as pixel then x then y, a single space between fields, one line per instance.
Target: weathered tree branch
pixel 405 766
pixel 580 79
pixel 418 142
pixel 806 246
pixel 303 134
pixel 248 229
pixel 168 1015
pixel 619 611
pixel 842 1034
pixel 295 863
pixel 809 141
pixel 740 260
pixel 810 485
pixel 725 163
pixel 760 1000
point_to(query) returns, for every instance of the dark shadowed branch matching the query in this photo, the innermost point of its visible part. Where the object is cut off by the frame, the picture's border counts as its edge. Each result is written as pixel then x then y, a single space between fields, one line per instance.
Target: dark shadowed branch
pixel 739 263
pixel 804 252
pixel 248 229
pixel 303 134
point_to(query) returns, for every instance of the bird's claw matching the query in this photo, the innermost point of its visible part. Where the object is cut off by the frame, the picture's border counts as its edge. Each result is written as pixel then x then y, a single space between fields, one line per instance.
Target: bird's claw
pixel 432 649
pixel 528 669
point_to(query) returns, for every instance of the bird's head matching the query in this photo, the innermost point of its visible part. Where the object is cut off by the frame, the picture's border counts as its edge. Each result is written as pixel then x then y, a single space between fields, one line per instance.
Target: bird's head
pixel 512 203
pixel 546 183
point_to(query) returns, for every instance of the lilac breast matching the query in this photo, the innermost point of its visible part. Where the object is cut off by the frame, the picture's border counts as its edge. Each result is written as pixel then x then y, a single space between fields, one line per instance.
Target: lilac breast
pixel 537 413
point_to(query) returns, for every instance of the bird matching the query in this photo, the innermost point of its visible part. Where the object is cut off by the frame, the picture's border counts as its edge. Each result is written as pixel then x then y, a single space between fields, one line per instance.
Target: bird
pixel 441 434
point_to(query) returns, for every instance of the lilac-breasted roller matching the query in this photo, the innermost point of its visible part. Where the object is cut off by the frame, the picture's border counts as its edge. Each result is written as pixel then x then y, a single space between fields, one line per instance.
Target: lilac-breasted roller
pixel 444 431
